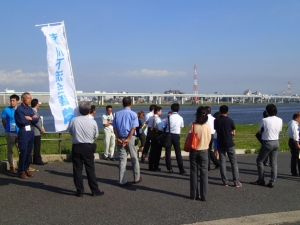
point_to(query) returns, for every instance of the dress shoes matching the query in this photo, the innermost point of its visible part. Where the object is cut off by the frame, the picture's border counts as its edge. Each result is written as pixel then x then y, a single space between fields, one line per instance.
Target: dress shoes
pixel 157 169
pixel 40 163
pixel 125 184
pixel 260 183
pixel 196 198
pixel 270 185
pixel 12 169
pixel 295 174
pixel 266 164
pixel 98 193
pixel 31 169
pixel 139 181
pixel 106 158
pixel 79 194
pixel 112 159
pixel 170 171
pixel 28 173
pixel 23 175
pixel 182 172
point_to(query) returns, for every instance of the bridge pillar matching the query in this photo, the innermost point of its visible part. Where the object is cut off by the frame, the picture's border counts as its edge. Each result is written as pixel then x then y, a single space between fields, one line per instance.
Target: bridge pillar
pixel 231 100
pixel 132 100
pixel 182 101
pixel 98 100
pixel 261 100
pixel 268 99
pixel 275 100
pixel 218 100
pixel 201 101
pixel 159 100
pixel 253 100
pixel 102 100
pixel 243 100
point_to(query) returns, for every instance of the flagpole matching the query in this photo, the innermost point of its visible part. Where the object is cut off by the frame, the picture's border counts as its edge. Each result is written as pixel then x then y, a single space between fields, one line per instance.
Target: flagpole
pixel 69 57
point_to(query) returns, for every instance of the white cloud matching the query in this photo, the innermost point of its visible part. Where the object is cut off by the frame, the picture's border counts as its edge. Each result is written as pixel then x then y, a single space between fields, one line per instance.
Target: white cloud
pixel 151 73
pixel 19 78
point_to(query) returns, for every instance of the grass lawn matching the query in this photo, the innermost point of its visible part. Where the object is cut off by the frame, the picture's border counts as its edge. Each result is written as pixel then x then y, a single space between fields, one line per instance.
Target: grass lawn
pixel 244 139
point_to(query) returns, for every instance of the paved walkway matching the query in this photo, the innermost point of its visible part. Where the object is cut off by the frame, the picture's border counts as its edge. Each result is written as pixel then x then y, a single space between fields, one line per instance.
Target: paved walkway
pixel 161 198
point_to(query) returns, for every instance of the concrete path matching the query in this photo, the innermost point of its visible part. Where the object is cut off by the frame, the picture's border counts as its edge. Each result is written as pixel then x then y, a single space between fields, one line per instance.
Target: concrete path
pixel 161 198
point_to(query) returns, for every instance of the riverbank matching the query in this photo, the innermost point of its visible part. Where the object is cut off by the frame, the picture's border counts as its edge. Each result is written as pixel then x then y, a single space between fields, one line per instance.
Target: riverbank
pixel 119 105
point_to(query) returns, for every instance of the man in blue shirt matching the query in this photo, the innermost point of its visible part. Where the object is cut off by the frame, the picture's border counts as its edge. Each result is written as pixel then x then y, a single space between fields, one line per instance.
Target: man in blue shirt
pixel 25 118
pixel 11 129
pixel 124 125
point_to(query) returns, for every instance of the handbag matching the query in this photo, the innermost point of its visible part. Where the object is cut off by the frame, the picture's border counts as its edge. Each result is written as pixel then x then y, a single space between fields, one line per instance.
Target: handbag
pixel 152 132
pixel 164 139
pixel 192 140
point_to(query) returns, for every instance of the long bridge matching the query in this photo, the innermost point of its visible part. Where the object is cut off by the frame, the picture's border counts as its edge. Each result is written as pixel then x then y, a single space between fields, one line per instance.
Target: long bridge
pixel 157 97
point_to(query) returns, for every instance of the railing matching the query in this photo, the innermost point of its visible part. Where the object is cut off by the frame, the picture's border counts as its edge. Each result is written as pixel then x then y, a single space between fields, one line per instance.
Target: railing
pixel 60 139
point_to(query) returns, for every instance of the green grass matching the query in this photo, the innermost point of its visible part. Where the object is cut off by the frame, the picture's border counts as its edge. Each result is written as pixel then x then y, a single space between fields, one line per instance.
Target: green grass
pixel 244 139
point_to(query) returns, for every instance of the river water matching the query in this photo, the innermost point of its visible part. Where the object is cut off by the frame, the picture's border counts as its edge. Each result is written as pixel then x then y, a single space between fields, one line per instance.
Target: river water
pixel 241 114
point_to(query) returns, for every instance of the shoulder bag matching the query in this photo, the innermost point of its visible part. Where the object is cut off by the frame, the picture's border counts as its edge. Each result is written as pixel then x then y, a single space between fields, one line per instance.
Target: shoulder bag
pixel 152 131
pixel 192 140
pixel 164 139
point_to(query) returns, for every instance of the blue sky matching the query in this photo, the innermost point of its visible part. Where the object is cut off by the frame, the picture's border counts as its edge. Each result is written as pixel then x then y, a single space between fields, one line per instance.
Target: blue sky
pixel 152 46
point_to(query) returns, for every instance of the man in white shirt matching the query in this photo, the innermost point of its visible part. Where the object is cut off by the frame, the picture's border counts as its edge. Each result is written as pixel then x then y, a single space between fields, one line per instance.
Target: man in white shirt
pixel 293 131
pixel 272 127
pixel 148 142
pixel 109 136
pixel 211 155
pixel 92 111
pixel 175 124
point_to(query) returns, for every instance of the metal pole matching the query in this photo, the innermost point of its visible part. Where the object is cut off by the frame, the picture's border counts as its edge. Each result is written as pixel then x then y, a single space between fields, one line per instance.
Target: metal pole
pixel 59 143
pixel 42 25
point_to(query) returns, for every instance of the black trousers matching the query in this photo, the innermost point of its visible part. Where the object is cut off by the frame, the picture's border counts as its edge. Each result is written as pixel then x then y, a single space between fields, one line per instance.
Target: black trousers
pixel 211 155
pixel 146 148
pixel 83 154
pixel 155 153
pixel 176 143
pixel 294 157
pixel 37 158
pixel 198 161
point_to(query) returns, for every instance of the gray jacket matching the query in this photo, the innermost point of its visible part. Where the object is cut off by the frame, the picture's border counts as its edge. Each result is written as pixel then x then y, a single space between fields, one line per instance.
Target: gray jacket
pixel 38 127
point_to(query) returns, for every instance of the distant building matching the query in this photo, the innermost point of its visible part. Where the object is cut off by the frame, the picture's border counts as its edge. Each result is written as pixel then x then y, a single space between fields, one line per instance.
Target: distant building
pixel 173 92
pixel 247 92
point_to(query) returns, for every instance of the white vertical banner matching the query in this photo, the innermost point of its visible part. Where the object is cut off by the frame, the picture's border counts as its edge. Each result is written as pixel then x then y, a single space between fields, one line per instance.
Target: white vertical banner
pixel 62 89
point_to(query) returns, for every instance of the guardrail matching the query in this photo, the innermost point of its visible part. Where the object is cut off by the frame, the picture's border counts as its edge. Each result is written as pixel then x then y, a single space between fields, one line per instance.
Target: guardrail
pixel 60 139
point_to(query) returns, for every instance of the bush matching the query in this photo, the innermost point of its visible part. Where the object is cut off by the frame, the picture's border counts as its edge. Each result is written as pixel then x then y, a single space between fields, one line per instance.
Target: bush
pixel 248 151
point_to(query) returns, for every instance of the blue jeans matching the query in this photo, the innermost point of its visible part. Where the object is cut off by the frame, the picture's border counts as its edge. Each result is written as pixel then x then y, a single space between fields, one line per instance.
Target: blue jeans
pixel 268 148
pixel 233 161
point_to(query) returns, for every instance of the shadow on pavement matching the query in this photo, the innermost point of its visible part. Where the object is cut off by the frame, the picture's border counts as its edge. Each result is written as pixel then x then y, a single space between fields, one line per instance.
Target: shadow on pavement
pixel 37 185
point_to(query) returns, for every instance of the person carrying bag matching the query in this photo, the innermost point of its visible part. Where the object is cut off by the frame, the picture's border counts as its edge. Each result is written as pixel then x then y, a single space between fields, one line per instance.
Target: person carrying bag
pixel 199 155
pixel 192 140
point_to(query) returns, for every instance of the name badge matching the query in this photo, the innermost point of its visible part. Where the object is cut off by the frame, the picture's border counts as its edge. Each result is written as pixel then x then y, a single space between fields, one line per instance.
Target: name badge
pixel 28 128
pixel 12 127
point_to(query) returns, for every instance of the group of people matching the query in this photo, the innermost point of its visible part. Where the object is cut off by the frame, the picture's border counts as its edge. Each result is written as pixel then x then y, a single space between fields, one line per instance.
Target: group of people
pixel 23 128
pixel 124 128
